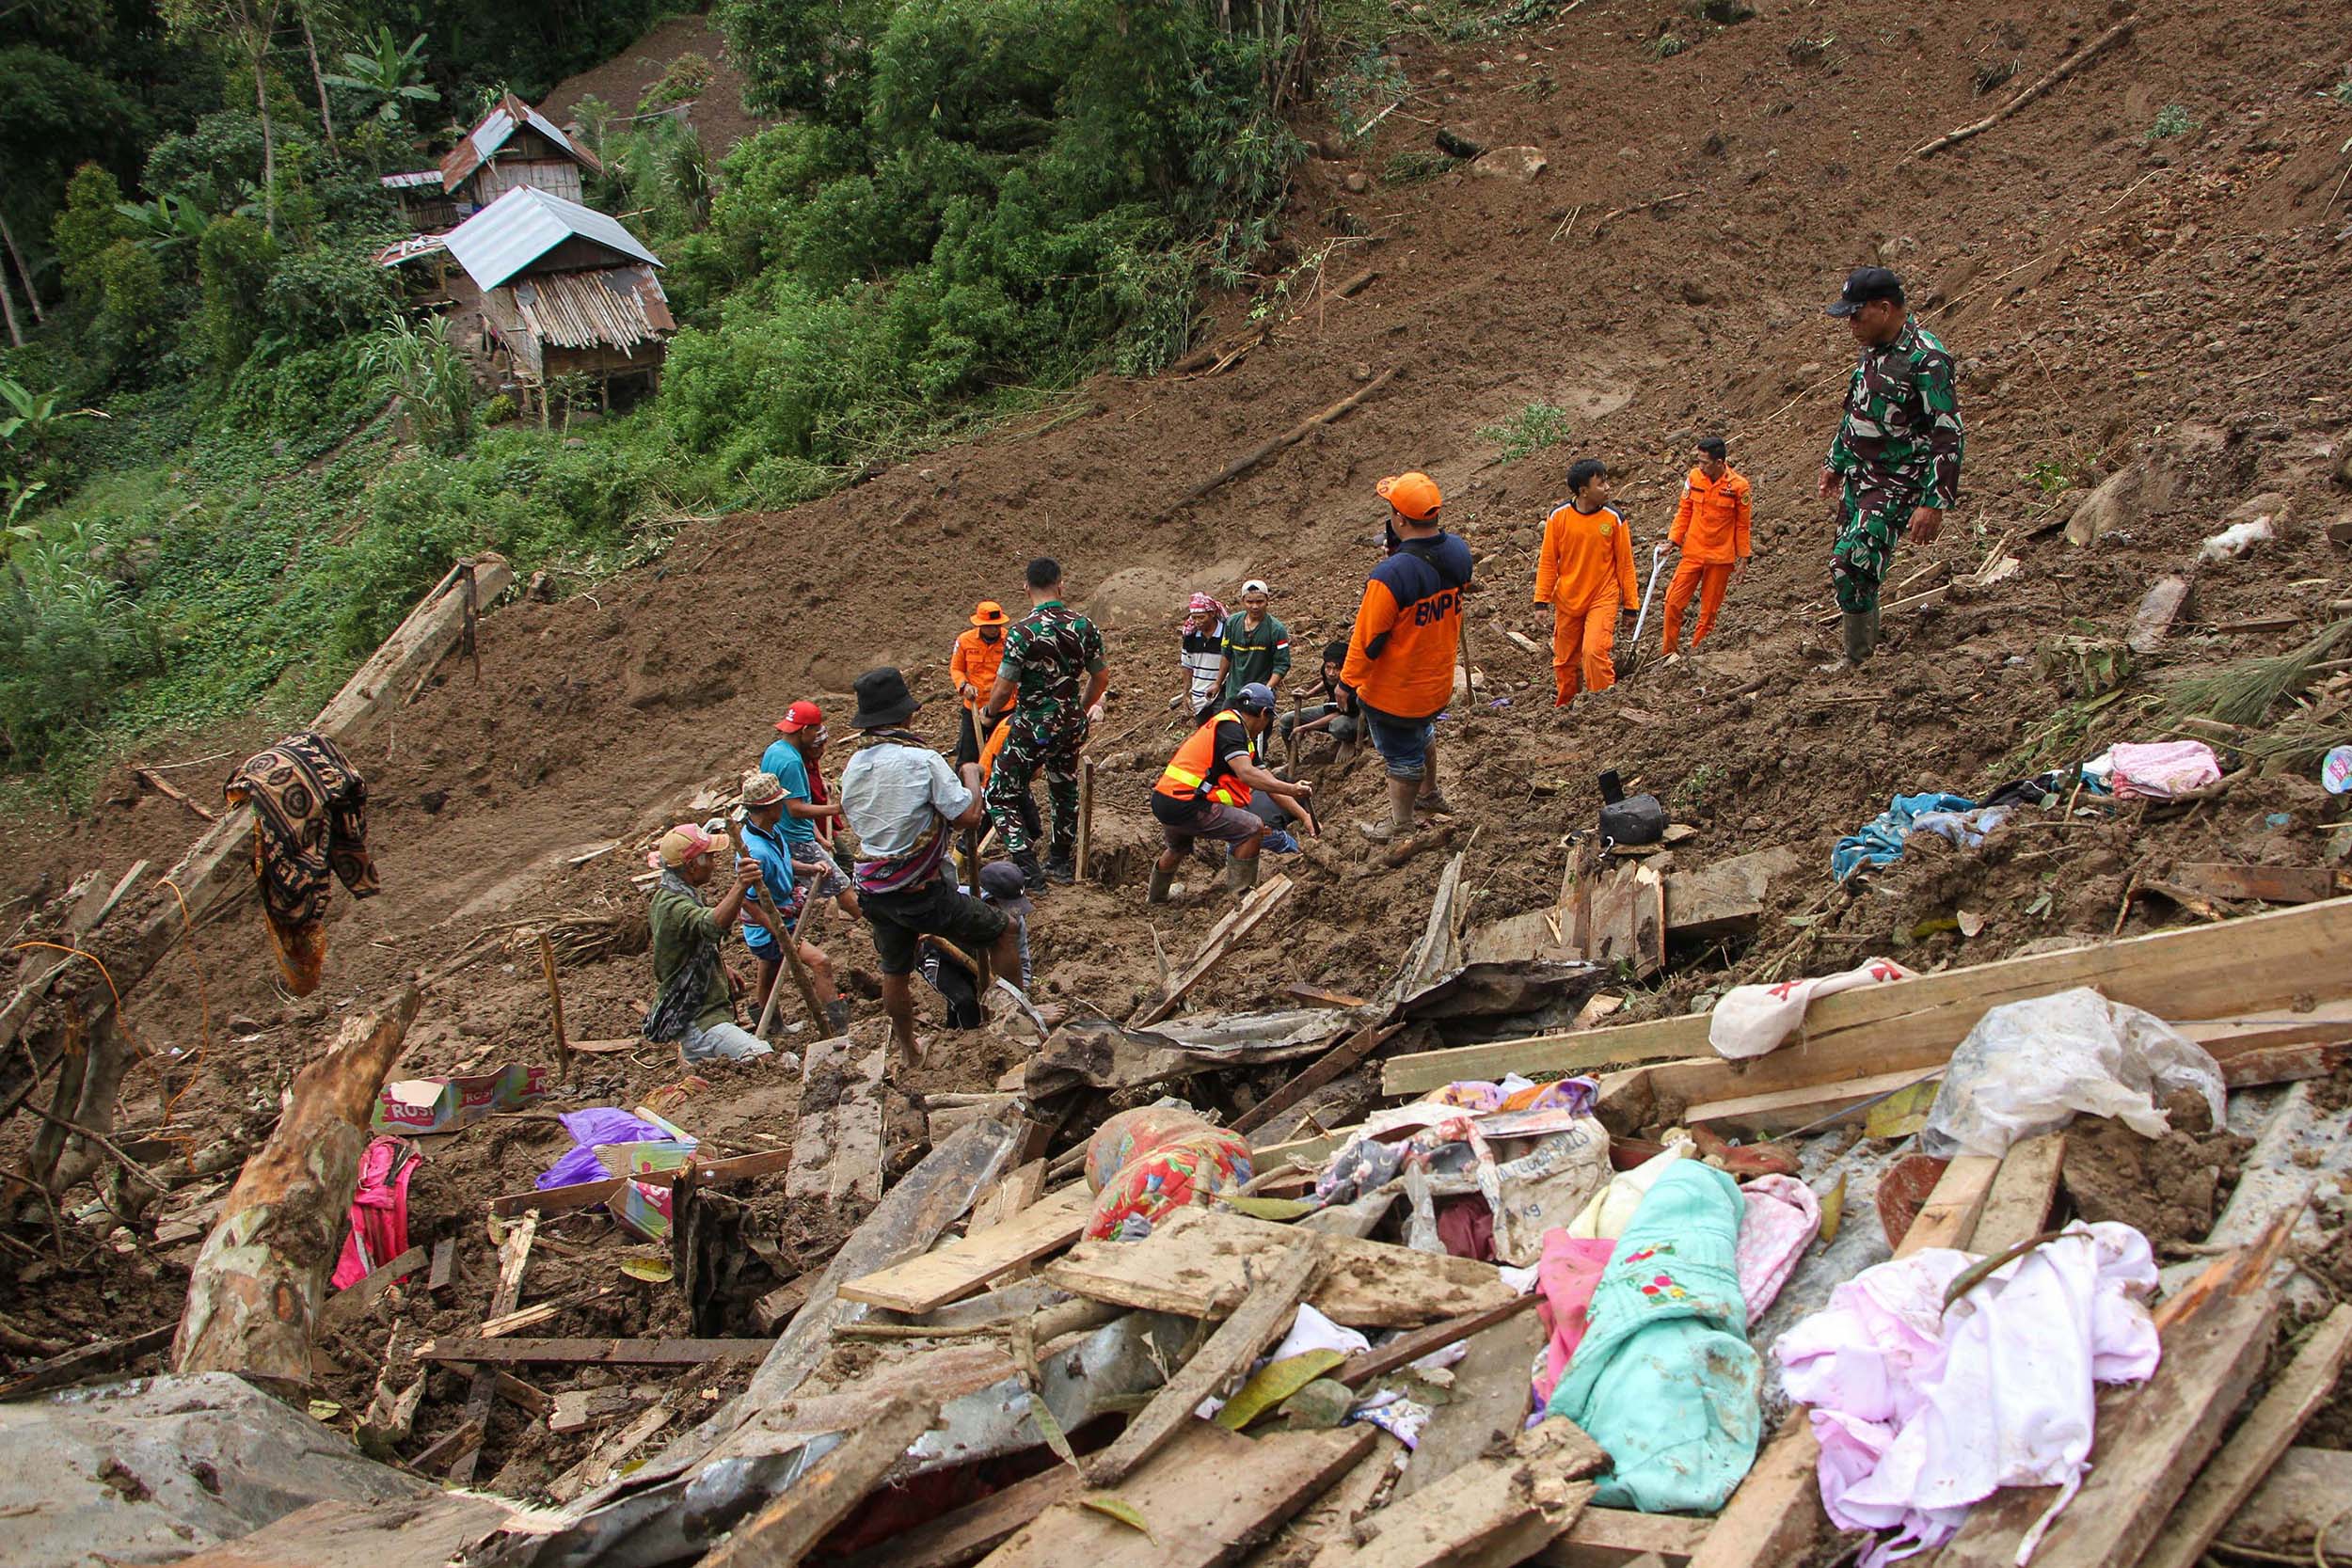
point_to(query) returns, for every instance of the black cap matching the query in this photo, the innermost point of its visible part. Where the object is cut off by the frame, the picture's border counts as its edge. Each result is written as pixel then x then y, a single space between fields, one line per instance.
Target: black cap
pixel 882 699
pixel 1864 285
pixel 1002 885
pixel 1713 445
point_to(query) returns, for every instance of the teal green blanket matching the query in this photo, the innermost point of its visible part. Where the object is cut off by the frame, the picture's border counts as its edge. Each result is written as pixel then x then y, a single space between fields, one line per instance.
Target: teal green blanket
pixel 1665 1379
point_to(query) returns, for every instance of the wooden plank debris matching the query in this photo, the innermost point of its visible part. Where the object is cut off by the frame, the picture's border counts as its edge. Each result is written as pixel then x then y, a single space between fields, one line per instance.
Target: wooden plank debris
pixel 354 1301
pixel 2270 885
pixel 2018 1203
pixel 1223 938
pixel 1263 1316
pixel 1408 1347
pixel 1340 1059
pixel 838 1149
pixel 1726 898
pixel 603 1461
pixel 1611 1535
pixel 539 1312
pixel 2203 971
pixel 1786 1110
pixel 1492 1512
pixel 963 1267
pixel 577 1409
pixel 552 1201
pixel 1196 1262
pixel 460 1445
pixel 419 1532
pixel 780 1302
pixel 2224 1486
pixel 2152 1438
pixel 1020 1188
pixel 805 1511
pixel 1487 1404
pixel 105 1356
pixel 1948 1218
pixel 954 1539
pixel 602 1352
pixel 1208 1497
pixel 259 1282
pixel 443 1273
pixel 2153 618
pixel 513 1257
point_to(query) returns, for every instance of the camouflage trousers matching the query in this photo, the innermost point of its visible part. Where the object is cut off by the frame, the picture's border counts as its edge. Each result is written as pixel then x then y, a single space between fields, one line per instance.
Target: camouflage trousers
pixel 1032 746
pixel 1871 521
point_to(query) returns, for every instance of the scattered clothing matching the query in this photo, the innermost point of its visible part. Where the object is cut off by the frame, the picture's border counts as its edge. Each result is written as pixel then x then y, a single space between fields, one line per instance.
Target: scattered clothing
pixel 1570 1267
pixel 726 1039
pixel 309 817
pixel 1922 1411
pixel 1880 841
pixel 1310 1330
pixel 692 986
pixel 1750 1021
pixel 2163 769
pixel 1181 1173
pixel 590 1130
pixel 379 1211
pixel 1613 1208
pixel 1392 1413
pixel 1781 1218
pixel 1665 1381
pixel 1584 571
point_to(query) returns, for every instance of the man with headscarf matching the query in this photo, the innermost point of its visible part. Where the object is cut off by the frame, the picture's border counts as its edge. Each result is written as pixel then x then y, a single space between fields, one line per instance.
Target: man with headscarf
pixel 1200 649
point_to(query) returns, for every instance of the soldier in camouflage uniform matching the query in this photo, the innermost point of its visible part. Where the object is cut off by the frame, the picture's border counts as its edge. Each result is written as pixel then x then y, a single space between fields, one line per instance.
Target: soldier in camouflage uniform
pixel 1048 654
pixel 1894 465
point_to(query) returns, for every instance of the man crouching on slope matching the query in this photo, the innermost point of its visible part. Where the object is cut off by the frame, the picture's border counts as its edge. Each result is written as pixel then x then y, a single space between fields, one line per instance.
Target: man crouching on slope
pixel 1400 656
pixel 904 801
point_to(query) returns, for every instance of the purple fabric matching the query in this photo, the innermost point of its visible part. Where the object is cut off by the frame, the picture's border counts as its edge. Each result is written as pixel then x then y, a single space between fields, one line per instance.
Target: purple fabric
pixel 590 1127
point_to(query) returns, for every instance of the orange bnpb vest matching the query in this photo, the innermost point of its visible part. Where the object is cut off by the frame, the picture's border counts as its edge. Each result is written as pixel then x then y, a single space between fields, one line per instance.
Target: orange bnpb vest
pixel 1189 773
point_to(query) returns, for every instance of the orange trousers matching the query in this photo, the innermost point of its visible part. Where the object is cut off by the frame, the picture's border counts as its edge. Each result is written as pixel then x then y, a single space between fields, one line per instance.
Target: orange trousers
pixel 1710 583
pixel 1583 644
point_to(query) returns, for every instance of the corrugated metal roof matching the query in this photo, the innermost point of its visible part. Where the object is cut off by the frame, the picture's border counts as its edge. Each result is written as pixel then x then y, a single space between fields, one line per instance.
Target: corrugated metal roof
pixel 409 182
pixel 620 307
pixel 482 144
pixel 524 225
pixel 410 248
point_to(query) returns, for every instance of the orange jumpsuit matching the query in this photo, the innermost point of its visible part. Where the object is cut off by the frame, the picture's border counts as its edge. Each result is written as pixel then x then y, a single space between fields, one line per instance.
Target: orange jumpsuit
pixel 975 660
pixel 1585 573
pixel 1712 529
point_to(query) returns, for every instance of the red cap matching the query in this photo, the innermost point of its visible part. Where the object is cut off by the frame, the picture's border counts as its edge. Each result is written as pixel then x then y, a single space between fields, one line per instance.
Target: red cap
pixel 801 716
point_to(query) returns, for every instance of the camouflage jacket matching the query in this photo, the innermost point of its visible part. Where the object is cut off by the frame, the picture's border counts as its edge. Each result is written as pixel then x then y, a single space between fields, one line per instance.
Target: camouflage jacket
pixel 1901 435
pixel 1049 653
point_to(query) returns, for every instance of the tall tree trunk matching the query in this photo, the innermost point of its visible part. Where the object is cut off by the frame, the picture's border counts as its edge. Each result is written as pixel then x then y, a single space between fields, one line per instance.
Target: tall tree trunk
pixel 326 116
pixel 8 309
pixel 32 294
pixel 269 141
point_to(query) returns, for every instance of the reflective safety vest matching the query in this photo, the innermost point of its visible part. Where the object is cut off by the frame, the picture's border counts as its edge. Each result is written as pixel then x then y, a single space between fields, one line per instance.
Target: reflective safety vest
pixel 1196 772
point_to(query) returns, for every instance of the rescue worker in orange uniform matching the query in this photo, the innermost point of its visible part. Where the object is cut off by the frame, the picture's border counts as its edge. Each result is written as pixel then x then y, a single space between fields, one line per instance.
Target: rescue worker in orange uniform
pixel 1401 652
pixel 1585 573
pixel 1204 791
pixel 1712 531
pixel 972 666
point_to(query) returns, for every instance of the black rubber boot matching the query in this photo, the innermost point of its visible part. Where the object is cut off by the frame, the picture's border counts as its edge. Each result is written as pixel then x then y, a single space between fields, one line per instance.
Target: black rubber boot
pixel 838 1016
pixel 1032 874
pixel 1241 875
pixel 1061 866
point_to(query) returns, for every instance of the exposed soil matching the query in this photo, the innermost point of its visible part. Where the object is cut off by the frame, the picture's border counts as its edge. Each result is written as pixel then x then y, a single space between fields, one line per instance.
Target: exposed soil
pixel 623 80
pixel 2169 1189
pixel 2112 300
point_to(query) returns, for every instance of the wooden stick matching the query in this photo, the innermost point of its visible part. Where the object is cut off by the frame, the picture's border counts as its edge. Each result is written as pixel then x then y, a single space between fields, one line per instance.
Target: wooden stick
pixel 555 1005
pixel 513 1257
pixel 1607 218
pixel 806 1510
pixel 1367 1365
pixel 1086 817
pixel 1248 461
pixel 162 786
pixel 2057 73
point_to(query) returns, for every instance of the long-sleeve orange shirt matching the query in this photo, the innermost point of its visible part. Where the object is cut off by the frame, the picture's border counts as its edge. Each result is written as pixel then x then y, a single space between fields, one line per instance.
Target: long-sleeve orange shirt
pixel 975 661
pixel 1585 557
pixel 1711 524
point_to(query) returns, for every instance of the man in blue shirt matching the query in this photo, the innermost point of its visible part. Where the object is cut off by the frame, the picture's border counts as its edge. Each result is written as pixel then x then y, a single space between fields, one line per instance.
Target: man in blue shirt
pixel 792 758
pixel 765 925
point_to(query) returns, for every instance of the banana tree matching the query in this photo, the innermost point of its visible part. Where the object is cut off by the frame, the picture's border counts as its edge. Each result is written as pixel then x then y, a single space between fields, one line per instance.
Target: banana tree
pixel 391 75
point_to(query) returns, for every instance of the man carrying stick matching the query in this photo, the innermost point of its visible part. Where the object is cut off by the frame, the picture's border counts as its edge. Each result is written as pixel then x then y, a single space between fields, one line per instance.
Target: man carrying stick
pixel 767 920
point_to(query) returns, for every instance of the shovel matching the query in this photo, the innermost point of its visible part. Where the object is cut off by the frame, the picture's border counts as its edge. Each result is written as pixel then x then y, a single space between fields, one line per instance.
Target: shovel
pixel 1630 660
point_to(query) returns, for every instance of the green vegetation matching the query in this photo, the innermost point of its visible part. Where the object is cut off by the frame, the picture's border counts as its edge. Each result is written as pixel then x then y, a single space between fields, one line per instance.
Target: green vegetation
pixel 1529 431
pixel 2172 120
pixel 1665 46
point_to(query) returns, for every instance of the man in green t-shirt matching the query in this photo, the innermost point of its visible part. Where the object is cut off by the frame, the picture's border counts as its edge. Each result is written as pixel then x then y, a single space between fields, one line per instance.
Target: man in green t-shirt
pixel 694 1005
pixel 1257 646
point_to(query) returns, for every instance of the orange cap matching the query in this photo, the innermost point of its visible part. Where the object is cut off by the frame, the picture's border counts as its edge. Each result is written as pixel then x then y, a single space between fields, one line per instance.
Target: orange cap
pixel 1415 495
pixel 990 614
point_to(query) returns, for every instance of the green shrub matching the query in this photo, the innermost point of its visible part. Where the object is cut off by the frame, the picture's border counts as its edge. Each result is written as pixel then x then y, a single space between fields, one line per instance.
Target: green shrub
pixel 131 318
pixel 68 639
pixel 233 266
pixel 688 78
pixel 1530 431
pixel 85 232
pixel 498 410
pixel 2172 120
pixel 316 296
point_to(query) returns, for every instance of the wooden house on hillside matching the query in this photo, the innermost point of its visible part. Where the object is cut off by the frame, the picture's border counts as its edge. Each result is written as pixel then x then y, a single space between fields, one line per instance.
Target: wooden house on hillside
pixel 566 291
pixel 515 146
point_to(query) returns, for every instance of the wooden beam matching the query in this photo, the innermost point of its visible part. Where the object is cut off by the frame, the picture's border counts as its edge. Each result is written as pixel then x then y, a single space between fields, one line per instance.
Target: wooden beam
pixel 1206 1498
pixel 105 1356
pixel 1491 1512
pixel 2017 1205
pixel 1622 1532
pixel 258 1283
pixel 1786 1110
pixel 2202 972
pixel 457 1446
pixel 806 1511
pixel 957 1538
pixel 1411 1346
pixel 2272 884
pixel 838 1148
pixel 604 1353
pixel 362 1294
pixel 577 1409
pixel 514 1258
pixel 1021 1187
pixel 1341 1058
pixel 1485 1406
pixel 1948 1218
pixel 1264 1317
pixel 1198 1263
pixel 1222 939
pixel 2222 1487
pixel 539 1312
pixel 2151 1439
pixel 963 1267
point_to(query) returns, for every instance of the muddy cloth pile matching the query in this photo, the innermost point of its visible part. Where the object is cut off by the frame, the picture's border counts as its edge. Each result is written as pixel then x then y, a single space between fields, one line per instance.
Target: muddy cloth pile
pixel 310 816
